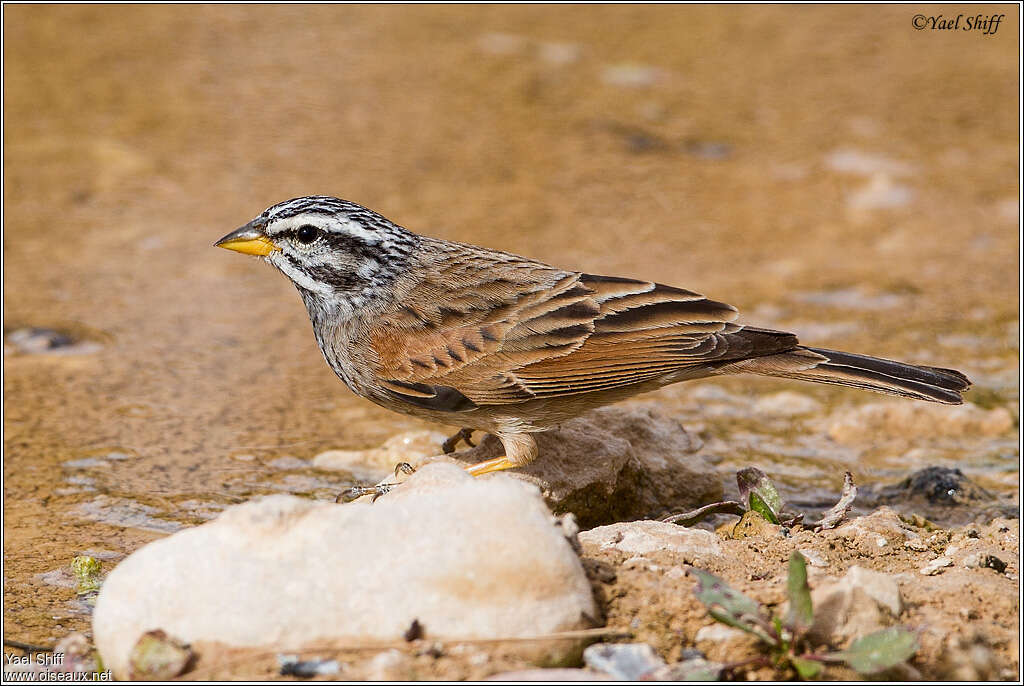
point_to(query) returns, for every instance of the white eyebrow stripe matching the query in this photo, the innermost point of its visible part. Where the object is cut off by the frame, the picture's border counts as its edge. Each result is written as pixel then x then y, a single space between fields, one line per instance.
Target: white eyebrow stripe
pixel 335 225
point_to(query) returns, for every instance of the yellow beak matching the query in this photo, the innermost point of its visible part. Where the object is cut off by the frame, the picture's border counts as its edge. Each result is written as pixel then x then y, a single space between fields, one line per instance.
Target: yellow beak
pixel 248 240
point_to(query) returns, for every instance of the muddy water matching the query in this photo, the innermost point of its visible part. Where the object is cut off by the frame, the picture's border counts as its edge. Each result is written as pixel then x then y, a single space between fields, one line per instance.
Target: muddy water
pixel 828 170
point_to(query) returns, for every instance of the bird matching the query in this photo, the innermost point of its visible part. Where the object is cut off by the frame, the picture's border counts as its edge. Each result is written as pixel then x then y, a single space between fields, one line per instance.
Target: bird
pixel 487 340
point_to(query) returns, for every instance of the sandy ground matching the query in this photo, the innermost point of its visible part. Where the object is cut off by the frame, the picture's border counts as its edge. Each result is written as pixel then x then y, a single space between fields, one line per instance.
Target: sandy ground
pixel 828 170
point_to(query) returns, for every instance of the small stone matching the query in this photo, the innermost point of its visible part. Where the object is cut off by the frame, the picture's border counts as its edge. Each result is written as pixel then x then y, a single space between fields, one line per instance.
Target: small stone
pixel 647 536
pixel 157 656
pixel 883 588
pixel 985 560
pixel 40 341
pixel 936 566
pixel 918 544
pixel 691 669
pixel 291 665
pixel 861 602
pixel 813 558
pixel 625 661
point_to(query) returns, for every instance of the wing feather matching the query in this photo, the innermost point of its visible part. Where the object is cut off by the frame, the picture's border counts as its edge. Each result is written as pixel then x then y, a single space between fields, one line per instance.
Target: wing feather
pixel 550 333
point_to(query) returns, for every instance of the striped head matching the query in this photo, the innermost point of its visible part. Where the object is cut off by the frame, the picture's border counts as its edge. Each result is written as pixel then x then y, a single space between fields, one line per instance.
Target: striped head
pixel 338 254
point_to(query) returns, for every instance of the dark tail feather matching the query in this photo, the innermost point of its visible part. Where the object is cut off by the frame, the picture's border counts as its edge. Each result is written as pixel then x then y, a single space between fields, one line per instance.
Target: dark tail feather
pixel 884 376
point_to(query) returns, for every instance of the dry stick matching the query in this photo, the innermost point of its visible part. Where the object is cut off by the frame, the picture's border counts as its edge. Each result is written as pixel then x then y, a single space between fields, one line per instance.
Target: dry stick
pixel 387 645
pixel 27 647
pixel 694 516
pixel 838 511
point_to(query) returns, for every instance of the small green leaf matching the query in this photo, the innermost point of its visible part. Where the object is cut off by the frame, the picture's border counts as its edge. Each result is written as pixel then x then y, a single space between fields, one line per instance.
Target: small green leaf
pixel 807 669
pixel 758 505
pixel 725 604
pixel 758 490
pixel 880 650
pixel 801 611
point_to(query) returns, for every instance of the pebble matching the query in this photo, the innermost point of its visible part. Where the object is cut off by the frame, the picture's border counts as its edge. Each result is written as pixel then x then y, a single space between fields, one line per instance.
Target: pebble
pixel 859 603
pixel 936 566
pixel 984 560
pixel 647 536
pixel 40 341
pixel 291 665
pixel 623 661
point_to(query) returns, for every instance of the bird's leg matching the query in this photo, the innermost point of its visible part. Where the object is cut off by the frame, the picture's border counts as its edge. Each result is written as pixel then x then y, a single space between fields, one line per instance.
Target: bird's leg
pixel 520 450
pixel 463 435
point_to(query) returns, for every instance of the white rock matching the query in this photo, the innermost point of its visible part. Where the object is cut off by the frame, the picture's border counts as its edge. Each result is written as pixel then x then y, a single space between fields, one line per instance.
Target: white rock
pixel 813 558
pixel 647 536
pixel 468 558
pixel 936 566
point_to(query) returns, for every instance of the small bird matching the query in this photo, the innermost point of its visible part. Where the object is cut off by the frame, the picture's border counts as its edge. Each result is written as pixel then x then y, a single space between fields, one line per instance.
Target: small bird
pixel 460 334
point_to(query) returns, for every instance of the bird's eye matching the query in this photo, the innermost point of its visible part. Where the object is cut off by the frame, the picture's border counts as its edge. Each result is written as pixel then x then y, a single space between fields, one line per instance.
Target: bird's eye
pixel 307 233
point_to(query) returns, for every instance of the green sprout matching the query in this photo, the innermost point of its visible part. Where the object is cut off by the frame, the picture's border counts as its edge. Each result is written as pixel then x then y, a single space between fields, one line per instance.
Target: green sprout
pixel 784 638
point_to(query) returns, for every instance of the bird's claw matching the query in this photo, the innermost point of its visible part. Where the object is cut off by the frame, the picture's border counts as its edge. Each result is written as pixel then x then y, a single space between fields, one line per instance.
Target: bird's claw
pixel 463 435
pixel 357 492
pixel 404 468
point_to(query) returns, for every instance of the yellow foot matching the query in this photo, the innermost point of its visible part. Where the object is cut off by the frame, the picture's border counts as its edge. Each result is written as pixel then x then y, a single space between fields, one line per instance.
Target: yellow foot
pixel 488 466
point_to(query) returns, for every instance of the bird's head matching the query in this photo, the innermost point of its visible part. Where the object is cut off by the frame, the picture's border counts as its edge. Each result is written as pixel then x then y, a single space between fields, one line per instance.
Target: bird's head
pixel 340 255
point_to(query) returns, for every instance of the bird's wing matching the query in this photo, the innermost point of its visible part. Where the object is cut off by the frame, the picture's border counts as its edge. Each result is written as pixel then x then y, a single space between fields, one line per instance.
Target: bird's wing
pixel 550 333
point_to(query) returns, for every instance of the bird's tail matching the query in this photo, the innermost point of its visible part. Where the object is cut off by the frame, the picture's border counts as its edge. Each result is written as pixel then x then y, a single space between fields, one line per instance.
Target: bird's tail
pixel 860 371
